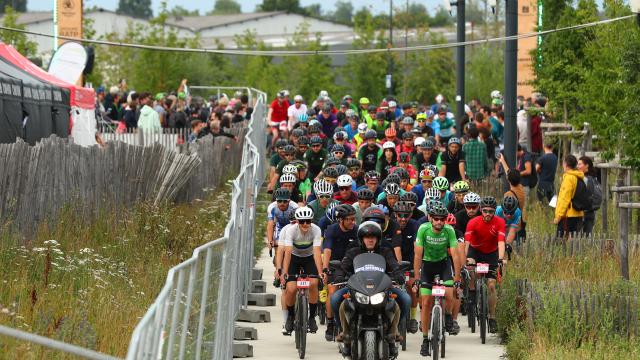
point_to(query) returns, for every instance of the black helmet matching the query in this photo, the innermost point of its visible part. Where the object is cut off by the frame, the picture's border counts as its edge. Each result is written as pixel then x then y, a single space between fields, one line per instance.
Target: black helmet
pixel 341 169
pixel 374 214
pixel 344 210
pixel 316 140
pixel 409 196
pixel 281 143
pixel 438 209
pixel 402 208
pixel 393 178
pixel 402 173
pixel 282 194
pixel 311 112
pixel 404 157
pixel 314 128
pixel 353 163
pixel 290 149
pixel 510 205
pixel 303 140
pixel 297 132
pixel 371 108
pixel 332 161
pixel 337 148
pixel 365 194
pixel 372 174
pixel 392 189
pixel 369 228
pixel 330 172
pixel 370 134
pixel 488 201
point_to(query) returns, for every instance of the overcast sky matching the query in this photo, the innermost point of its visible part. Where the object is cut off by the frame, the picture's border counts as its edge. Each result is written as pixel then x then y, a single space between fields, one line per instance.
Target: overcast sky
pixel 204 6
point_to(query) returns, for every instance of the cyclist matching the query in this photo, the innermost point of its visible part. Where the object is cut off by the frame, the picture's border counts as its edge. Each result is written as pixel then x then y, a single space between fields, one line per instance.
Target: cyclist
pixel 329 217
pixel 288 181
pixel 425 156
pixel 278 266
pixel 302 253
pixel 471 209
pixel 410 199
pixel 278 215
pixel 338 238
pixel 391 195
pixel 371 182
pixel 432 194
pixel 390 228
pixel 453 161
pixel 288 153
pixel 274 161
pixel 426 180
pixel 451 221
pixel 370 153
pixel 355 171
pixel 365 199
pixel 431 258
pixel 324 192
pixel 345 194
pixel 441 184
pixel 405 179
pixel 369 238
pixel 403 248
pixel 510 212
pixel 460 189
pixel 315 157
pixel 484 240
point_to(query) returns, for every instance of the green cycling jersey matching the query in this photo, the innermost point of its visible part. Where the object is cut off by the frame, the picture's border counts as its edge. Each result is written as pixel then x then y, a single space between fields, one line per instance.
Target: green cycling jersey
pixel 435 245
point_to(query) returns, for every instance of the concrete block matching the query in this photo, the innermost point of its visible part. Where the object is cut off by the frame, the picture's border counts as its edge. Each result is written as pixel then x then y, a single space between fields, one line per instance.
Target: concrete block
pixel 256 274
pixel 242 350
pixel 258 286
pixel 254 316
pixel 261 299
pixel 245 333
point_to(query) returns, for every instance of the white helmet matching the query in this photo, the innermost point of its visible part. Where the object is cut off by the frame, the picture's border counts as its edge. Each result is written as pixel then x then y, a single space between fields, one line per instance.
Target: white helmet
pixel 433 194
pixel 322 187
pixel 392 189
pixel 393 104
pixel 362 128
pixel 495 94
pixel 471 198
pixel 287 178
pixel 304 213
pixel 344 180
pixel 323 93
pixel 285 92
pixel 289 169
pixel 388 145
pixel 419 140
pixel 439 98
pixel 297 98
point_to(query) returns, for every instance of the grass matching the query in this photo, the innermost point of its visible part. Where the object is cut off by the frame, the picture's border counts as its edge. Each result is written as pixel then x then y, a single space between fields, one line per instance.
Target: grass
pixel 89 283
pixel 550 324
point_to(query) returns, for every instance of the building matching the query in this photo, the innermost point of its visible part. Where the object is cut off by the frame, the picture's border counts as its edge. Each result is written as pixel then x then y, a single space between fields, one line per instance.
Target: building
pixel 528 21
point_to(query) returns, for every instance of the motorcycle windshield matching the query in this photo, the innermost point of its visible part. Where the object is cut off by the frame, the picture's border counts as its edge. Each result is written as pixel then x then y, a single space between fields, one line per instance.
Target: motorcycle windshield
pixel 369 277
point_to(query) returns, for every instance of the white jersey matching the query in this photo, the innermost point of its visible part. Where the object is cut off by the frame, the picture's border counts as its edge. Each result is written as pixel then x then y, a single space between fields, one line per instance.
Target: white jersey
pixel 283 231
pixel 292 111
pixel 302 243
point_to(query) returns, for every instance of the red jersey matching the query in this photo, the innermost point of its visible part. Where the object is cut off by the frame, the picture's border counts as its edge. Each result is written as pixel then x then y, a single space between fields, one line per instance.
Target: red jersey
pixel 279 113
pixel 485 236
pixel 352 199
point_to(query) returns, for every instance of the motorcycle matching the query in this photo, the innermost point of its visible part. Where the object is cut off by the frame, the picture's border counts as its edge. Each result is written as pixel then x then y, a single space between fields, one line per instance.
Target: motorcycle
pixel 369 309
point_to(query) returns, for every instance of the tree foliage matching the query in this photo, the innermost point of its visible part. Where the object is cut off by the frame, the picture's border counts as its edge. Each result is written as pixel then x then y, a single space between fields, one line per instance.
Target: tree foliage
pixel 19 40
pixel 343 13
pixel 225 7
pixel 135 8
pixel 292 6
pixel 179 11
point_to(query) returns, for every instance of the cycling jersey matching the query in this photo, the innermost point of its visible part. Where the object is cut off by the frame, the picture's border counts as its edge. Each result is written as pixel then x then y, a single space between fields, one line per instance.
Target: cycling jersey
pixel 275 160
pixel 434 245
pixel 315 162
pixel 391 234
pixel 280 218
pixel 453 165
pixel 484 236
pixel 407 240
pixel 353 198
pixel 454 206
pixel 339 241
pixel 279 113
pixel 303 243
pixel 421 163
pixel 318 211
pixel 369 157
pixel 462 219
pixel 514 222
pixel 283 231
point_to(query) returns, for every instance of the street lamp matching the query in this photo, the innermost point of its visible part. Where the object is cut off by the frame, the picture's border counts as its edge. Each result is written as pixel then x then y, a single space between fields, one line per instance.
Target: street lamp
pixel 635 8
pixel 460 58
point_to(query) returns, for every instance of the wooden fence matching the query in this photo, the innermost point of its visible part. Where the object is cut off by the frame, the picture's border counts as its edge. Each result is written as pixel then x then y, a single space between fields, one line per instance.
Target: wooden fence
pixel 38 181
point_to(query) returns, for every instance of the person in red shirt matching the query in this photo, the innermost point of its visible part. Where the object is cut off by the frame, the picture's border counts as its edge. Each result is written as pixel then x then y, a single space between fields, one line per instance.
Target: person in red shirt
pixel 484 243
pixel 277 114
pixel 345 193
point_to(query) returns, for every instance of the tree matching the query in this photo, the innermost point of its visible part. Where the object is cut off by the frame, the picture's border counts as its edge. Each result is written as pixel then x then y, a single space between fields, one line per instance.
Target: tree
pixel 179 11
pixel 259 71
pixel 19 40
pixel 416 16
pixel 136 8
pixel 313 10
pixel 484 72
pixel 226 7
pixel 441 18
pixel 17 5
pixel 343 13
pixel 292 6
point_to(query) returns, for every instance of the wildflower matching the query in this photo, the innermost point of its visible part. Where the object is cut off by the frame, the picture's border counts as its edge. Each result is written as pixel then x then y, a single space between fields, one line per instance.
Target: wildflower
pixel 52 243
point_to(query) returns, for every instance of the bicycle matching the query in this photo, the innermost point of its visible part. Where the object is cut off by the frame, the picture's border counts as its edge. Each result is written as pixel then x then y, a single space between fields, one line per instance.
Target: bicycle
pixel 470 307
pixel 437 327
pixel 404 321
pixel 482 299
pixel 301 321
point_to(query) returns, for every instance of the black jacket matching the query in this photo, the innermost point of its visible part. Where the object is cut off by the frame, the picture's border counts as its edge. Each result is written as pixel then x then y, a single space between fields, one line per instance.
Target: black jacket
pixel 346 268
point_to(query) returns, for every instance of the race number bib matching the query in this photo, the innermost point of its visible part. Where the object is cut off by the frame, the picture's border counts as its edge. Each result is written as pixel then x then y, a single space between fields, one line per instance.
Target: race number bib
pixel 438 291
pixel 482 268
pixel 303 284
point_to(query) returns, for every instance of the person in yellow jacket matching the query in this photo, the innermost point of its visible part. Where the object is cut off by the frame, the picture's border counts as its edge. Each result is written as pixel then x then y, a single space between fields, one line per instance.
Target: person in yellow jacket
pixel 568 219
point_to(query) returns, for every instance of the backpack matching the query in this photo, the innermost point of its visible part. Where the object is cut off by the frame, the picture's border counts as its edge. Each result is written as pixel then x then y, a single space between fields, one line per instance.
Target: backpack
pixel 581 200
pixel 596 193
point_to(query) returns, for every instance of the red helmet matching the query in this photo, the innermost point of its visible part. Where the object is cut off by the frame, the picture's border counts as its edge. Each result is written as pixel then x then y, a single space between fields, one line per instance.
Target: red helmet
pixel 451 219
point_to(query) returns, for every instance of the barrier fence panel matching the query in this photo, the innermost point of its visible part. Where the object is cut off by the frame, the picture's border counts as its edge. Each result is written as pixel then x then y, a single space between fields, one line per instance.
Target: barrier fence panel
pixel 194 314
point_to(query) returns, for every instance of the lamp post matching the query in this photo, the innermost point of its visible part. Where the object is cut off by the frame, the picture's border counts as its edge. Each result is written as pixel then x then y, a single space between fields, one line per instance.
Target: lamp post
pixel 388 79
pixel 460 58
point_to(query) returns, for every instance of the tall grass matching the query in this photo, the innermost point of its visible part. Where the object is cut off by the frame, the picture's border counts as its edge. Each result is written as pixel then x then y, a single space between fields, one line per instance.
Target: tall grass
pixel 89 282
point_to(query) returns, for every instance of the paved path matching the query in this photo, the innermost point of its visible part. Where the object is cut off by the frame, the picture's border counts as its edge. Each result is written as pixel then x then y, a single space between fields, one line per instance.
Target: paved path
pixel 271 344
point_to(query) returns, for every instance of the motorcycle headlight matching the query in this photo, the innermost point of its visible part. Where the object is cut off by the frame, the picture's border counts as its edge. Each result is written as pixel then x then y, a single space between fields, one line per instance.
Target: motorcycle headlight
pixel 377 298
pixel 362 298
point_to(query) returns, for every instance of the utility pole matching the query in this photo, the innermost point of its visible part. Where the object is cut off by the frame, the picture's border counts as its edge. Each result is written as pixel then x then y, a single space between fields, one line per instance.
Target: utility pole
pixel 510 83
pixel 460 64
pixel 388 81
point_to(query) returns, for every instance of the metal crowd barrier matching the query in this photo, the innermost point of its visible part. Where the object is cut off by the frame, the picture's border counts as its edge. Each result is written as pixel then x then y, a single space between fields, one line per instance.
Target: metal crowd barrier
pixel 194 314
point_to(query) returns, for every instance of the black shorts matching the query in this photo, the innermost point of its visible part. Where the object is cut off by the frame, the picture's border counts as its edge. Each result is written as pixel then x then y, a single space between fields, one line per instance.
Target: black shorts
pixel 490 258
pixel 306 264
pixel 431 269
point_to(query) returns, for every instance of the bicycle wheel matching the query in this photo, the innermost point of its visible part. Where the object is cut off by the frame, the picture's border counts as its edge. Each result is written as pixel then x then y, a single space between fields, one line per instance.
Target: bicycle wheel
pixel 436 328
pixel 296 322
pixel 302 325
pixel 483 312
pixel 322 313
pixel 402 327
pixel 443 343
pixel 471 315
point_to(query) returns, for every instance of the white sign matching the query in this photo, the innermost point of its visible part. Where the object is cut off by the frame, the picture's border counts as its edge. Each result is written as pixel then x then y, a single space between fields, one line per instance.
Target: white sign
pixel 68 62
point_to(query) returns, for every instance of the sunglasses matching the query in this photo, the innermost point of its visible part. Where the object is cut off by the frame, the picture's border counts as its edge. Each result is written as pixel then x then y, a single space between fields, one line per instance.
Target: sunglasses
pixel 338 152
pixel 345 188
pixel 471 207
pixel 303 147
pixel 438 219
pixel 316 145
pixel 288 155
pixel 403 216
pixel 324 197
pixel 427 181
pixel 488 211
pixel 282 201
pixel 304 221
pixel 298 102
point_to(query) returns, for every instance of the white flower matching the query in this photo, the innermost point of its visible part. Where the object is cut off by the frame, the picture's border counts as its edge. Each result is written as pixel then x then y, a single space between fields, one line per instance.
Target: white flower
pixel 52 243
pixel 86 251
pixel 39 249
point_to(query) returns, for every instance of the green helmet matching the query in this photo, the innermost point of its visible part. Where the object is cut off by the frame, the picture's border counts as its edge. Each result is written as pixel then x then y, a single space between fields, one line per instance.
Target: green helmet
pixel 460 186
pixel 441 183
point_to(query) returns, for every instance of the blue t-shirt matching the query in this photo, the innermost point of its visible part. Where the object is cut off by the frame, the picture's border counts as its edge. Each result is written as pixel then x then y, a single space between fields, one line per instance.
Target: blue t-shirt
pixel 339 241
pixel 514 222
pixel 407 240
pixel 279 217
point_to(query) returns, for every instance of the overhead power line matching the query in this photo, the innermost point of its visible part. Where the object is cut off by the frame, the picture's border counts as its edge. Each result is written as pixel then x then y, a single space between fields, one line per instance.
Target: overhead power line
pixel 282 53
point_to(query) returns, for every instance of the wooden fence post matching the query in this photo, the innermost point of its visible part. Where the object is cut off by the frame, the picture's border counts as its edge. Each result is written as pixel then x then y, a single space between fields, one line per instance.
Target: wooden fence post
pixel 605 199
pixel 623 214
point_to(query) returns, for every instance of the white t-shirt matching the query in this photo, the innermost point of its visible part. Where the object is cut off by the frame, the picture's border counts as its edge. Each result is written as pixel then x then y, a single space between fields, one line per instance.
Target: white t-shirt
pixel 283 231
pixel 522 121
pixel 292 111
pixel 302 243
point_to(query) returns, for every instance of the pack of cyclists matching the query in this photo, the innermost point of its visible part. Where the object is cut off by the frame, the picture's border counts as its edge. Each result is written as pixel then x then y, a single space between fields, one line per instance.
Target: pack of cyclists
pixel 350 179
